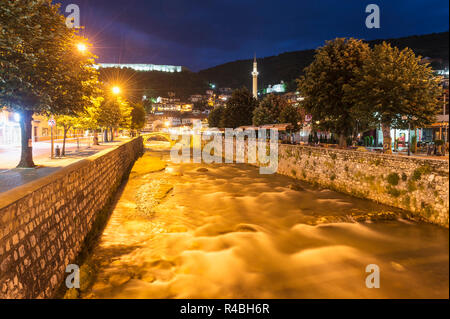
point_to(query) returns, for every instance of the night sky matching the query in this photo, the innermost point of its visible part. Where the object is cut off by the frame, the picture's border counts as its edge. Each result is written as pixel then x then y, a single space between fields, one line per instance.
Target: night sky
pixel 203 33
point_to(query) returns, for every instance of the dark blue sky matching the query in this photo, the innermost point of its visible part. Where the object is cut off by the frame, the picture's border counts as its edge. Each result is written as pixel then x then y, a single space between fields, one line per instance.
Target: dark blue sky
pixel 204 33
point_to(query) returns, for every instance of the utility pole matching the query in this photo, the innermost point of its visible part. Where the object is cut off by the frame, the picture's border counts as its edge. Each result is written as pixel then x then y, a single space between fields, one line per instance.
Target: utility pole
pixel 52 123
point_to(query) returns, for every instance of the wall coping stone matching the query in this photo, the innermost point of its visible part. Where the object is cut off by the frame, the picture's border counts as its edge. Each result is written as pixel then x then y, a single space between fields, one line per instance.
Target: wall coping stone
pixel 13 195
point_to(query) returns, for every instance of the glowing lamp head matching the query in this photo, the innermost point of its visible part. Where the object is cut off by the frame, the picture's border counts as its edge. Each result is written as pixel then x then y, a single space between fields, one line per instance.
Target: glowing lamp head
pixel 82 47
pixel 167 123
pixel 116 90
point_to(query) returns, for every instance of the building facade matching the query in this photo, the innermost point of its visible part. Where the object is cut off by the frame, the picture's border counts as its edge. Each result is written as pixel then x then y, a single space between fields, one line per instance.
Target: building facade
pixel 143 67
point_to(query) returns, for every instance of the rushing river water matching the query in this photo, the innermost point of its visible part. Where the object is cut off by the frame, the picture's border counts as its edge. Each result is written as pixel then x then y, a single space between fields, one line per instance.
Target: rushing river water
pixel 225 231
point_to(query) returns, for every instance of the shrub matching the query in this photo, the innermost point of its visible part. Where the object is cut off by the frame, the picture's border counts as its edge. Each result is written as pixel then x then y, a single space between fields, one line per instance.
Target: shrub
pixel 393 179
pixel 423 170
pixel 404 177
pixel 394 192
pixel 412 186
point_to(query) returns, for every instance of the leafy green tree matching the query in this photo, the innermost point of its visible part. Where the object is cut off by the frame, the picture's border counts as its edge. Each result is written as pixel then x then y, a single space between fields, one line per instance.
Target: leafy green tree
pixel 394 84
pixel 109 116
pixel 67 122
pixel 125 113
pixel 137 116
pixel 89 118
pixel 41 70
pixel 290 114
pixel 239 109
pixel 335 65
pixel 274 105
pixel 262 115
pixel 215 116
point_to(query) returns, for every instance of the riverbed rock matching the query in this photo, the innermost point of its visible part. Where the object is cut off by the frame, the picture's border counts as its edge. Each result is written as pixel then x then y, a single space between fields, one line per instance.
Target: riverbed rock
pixel 296 187
pixel 119 279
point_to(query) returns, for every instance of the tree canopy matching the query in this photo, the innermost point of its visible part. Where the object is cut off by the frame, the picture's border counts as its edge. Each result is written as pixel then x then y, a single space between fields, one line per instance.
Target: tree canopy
pixel 335 65
pixel 395 89
pixel 215 116
pixel 41 70
pixel 275 109
pixel 239 109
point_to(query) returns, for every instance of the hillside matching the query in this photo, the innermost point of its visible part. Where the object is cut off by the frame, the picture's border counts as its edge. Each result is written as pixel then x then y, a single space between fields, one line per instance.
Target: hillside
pixel 288 66
pixel 137 83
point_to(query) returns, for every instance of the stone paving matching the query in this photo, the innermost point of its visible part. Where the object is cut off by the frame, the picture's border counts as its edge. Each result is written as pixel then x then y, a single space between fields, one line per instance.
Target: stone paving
pixel 11 177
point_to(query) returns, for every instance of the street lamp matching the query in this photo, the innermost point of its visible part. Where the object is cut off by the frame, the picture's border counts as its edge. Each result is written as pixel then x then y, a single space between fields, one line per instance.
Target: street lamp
pixel 116 90
pixel 81 47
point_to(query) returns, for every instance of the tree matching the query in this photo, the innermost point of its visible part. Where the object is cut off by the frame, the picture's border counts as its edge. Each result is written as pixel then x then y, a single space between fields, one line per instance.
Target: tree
pixel 125 113
pixel 215 116
pixel 269 110
pixel 262 115
pixel 66 122
pixel 137 116
pixel 89 118
pixel 114 112
pixel 40 69
pixel 239 109
pixel 393 84
pixel 290 114
pixel 335 65
pixel 109 115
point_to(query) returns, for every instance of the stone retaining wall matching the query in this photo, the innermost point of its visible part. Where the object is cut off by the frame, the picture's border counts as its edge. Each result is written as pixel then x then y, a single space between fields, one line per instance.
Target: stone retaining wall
pixel 417 185
pixel 414 184
pixel 43 224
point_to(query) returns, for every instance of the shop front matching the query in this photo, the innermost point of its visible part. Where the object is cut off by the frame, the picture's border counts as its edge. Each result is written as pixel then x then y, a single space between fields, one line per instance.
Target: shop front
pixel 9 128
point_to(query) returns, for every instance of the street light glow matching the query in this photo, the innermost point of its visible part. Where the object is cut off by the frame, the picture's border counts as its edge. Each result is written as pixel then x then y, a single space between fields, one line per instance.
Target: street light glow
pixel 116 90
pixel 82 47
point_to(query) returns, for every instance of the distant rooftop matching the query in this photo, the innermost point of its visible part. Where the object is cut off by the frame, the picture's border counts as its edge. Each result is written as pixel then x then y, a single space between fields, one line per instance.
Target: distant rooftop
pixel 143 67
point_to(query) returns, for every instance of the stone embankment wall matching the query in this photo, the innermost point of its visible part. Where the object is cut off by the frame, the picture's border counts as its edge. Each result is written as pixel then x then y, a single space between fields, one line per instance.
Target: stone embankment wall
pixel 420 186
pixel 43 224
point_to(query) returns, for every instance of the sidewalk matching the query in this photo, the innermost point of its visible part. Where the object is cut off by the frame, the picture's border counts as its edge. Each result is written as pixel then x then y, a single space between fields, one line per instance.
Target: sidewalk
pixel 11 177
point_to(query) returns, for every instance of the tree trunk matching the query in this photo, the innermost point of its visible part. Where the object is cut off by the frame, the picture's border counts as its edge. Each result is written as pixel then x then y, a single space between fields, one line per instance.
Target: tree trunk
pixel 112 134
pixel 26 158
pixel 96 138
pixel 342 141
pixel 387 141
pixel 63 151
pixel 105 135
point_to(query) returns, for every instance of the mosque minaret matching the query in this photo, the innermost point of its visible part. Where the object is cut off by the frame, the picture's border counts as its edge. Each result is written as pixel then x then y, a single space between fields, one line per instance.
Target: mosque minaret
pixel 255 78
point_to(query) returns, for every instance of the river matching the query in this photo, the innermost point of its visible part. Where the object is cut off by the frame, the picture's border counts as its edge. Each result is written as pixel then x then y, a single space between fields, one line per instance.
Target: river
pixel 225 231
